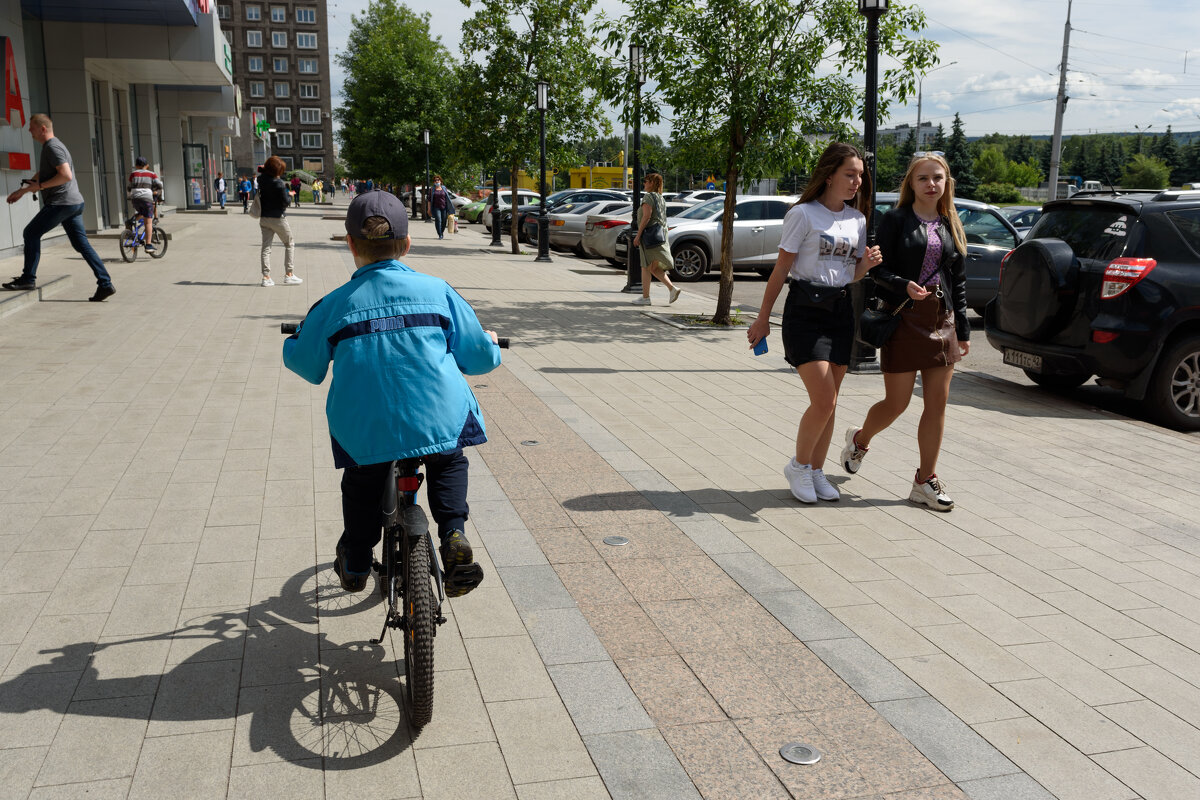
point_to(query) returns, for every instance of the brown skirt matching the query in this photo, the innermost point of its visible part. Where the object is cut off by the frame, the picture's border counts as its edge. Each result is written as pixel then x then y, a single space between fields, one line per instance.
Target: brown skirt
pixel 925 338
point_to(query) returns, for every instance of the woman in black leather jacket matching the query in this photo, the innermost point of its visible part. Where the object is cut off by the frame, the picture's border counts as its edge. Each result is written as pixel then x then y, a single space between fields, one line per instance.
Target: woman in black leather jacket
pixel 923 246
pixel 273 199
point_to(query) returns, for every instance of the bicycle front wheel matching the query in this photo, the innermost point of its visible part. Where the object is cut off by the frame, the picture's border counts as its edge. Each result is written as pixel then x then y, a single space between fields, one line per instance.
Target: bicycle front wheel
pixel 128 246
pixel 418 637
pixel 160 243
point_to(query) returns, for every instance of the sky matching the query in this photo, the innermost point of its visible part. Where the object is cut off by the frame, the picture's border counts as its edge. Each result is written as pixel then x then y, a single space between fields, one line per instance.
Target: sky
pixel 1130 65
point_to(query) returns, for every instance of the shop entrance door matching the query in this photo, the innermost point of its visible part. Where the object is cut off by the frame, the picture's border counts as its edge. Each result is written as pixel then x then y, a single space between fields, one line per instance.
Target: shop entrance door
pixel 195 176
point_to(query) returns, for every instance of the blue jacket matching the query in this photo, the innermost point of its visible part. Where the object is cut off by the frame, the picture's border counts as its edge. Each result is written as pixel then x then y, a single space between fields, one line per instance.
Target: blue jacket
pixel 400 342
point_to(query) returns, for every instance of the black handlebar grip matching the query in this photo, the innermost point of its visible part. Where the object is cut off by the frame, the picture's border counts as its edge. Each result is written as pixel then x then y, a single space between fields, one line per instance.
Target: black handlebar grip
pixel 289 327
pixel 502 341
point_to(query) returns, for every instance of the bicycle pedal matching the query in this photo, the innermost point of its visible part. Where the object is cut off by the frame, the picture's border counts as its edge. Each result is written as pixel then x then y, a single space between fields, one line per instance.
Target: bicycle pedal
pixel 462 578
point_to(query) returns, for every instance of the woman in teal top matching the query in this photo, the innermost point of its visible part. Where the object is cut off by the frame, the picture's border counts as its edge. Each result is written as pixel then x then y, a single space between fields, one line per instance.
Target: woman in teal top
pixel 656 259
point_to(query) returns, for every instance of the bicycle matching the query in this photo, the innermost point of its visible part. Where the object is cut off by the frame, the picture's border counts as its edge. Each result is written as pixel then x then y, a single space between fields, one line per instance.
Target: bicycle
pixel 135 237
pixel 408 574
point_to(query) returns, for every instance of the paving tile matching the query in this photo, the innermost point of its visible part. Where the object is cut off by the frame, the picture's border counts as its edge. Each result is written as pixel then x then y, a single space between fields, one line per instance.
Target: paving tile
pixel 563 636
pixel 487 611
pixel 1107 621
pixel 1006 787
pixel 593 583
pixel 115 789
pixel 539 741
pixel 774 546
pixel 196 697
pixel 883 631
pixel 18 768
pixel 824 585
pixel 571 789
pixel 721 763
pixel 754 573
pixel 122 668
pixel 978 653
pixel 1063 770
pixel 906 603
pixel 848 562
pixel 702 577
pixel 198 761
pixel 97 740
pixel 994 623
pixel 1170 655
pixel 145 610
pixel 598 698
pixel 33 706
pixel 959 689
pixel 802 677
pixel 626 631
pixel 1159 728
pixel 1088 644
pixel 867 672
pixel 1152 775
pixel 1067 716
pixel 740 687
pixel 1162 687
pixel 836 775
pixel 802 616
pixel 639 765
pixel 745 622
pixel 459 714
pixel 945 740
pixel 293 779
pixel 1091 685
pixel 508 668
pixel 513 549
pixel 669 691
pixel 535 588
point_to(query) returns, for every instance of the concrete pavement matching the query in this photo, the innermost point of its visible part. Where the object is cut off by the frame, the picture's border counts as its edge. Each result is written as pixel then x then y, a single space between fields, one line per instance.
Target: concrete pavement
pixel 168 510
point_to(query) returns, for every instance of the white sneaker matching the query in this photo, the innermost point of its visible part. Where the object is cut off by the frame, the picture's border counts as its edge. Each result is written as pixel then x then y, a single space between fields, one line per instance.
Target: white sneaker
pixel 824 489
pixel 932 494
pixel 267 281
pixel 674 296
pixel 852 454
pixel 800 480
pixel 641 301
pixel 292 279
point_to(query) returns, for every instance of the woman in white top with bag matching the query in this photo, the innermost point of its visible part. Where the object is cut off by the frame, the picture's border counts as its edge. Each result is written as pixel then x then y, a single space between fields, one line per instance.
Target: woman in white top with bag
pixel 823 249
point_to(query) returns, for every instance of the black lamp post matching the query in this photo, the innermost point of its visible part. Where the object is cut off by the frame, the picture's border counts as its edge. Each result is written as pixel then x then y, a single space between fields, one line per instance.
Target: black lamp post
pixel 543 100
pixel 425 194
pixel 633 277
pixel 862 358
pixel 495 208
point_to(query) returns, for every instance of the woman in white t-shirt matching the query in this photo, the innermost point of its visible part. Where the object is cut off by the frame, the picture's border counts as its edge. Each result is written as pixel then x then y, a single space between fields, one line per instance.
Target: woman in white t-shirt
pixel 822 250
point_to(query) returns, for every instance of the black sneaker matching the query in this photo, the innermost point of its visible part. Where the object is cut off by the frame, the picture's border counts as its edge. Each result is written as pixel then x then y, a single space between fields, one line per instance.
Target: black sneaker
pixel 351 581
pixel 462 574
pixel 20 284
pixel 102 294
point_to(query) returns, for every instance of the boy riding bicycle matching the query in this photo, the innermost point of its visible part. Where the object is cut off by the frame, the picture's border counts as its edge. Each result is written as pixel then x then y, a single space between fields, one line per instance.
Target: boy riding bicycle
pixel 400 342
pixel 144 187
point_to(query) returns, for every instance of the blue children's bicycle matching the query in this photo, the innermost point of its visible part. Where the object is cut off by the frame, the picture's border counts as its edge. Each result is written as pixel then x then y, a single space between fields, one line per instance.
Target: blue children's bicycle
pixel 135 237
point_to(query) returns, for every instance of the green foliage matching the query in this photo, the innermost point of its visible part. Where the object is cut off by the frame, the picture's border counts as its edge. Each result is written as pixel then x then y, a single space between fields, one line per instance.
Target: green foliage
pixel 398 79
pixel 958 155
pixel 939 141
pixel 510 45
pixel 1026 174
pixel 1168 150
pixel 1146 172
pixel 991 166
pixel 889 169
pixel 997 193
pixel 752 83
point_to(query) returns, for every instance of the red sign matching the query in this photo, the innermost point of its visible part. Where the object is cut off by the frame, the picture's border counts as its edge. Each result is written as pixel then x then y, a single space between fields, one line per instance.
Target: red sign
pixel 12 85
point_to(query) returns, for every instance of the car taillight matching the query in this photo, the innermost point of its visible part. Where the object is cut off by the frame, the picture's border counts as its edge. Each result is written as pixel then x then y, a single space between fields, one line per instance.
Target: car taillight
pixel 612 223
pixel 1122 273
pixel 1104 337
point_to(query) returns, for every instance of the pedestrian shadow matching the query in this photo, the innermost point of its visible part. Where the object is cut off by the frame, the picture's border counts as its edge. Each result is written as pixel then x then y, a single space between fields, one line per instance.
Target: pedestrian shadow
pixel 309 700
pixel 213 283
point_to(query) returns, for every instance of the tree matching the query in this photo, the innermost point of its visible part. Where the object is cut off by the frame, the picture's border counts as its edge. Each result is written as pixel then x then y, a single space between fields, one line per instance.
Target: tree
pixel 889 169
pixel 905 152
pixel 510 45
pixel 1026 174
pixel 398 77
pixel 959 158
pixel 752 83
pixel 939 141
pixel 991 166
pixel 1145 172
pixel 1168 150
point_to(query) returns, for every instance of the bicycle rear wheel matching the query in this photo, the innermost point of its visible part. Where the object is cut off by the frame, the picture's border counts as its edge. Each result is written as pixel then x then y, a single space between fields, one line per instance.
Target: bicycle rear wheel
pixel 160 243
pixel 128 246
pixel 418 637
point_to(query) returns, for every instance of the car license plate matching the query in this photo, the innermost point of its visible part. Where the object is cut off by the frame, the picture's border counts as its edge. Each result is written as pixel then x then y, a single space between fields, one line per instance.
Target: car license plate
pixel 1028 361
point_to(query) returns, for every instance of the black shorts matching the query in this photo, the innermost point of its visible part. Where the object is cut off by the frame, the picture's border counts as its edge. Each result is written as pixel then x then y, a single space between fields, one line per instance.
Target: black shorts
pixel 144 207
pixel 816 334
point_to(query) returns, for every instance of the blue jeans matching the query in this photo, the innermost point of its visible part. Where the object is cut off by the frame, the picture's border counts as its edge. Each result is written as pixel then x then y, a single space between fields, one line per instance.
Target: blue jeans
pixel 71 218
pixel 221 198
pixel 439 220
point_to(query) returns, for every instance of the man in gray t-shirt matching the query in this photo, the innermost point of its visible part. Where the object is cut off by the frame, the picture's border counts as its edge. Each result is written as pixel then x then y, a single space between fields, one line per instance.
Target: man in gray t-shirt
pixel 55 179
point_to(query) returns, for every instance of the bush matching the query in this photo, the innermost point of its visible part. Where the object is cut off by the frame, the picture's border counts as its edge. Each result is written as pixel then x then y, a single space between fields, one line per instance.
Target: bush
pixel 1146 172
pixel 998 193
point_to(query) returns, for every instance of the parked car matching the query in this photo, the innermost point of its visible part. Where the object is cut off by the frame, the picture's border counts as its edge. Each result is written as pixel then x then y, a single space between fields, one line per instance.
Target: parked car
pixel 600 235
pixel 693 196
pixel 524 196
pixel 710 209
pixel 472 212
pixel 553 202
pixel 695 235
pixel 1108 284
pixel 457 200
pixel 567 224
pixel 1022 217
pixel 989 238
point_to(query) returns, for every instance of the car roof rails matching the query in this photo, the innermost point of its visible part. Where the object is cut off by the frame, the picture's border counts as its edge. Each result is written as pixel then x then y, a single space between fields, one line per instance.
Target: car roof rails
pixel 1178 194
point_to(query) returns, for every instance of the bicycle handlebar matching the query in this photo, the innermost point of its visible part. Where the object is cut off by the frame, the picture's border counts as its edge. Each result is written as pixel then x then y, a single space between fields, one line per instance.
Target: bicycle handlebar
pixel 290 328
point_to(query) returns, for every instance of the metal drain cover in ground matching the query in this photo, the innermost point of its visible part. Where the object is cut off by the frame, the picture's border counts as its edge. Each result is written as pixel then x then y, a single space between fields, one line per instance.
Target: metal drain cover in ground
pixel 615 541
pixel 798 753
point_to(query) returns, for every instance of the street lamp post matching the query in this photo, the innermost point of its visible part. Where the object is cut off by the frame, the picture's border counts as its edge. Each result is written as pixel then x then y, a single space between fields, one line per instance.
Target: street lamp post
pixel 921 81
pixel 543 102
pixel 495 208
pixel 862 357
pixel 425 193
pixel 633 276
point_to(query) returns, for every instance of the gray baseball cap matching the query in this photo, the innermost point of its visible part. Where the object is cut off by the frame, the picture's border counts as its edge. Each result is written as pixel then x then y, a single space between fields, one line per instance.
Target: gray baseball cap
pixel 377 203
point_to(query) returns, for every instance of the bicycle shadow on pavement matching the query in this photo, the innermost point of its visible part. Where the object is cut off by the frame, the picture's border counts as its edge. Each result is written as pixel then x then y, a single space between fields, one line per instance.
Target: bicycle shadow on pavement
pixel 266 671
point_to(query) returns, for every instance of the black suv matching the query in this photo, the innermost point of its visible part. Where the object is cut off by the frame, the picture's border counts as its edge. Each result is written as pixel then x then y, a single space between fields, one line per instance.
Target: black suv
pixel 1108 284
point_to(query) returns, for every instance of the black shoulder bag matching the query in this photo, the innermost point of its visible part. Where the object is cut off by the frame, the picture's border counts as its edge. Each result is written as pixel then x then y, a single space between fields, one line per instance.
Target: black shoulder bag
pixel 875 327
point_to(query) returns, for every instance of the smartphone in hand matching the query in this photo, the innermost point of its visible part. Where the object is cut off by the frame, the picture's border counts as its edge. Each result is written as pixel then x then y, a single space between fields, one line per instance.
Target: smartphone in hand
pixel 761 347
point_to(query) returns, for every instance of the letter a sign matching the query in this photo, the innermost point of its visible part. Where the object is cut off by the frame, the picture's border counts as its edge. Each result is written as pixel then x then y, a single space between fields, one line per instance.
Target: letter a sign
pixel 12 85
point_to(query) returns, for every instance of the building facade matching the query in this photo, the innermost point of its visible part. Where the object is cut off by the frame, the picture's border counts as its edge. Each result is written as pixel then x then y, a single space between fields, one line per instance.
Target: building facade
pixel 119 79
pixel 281 65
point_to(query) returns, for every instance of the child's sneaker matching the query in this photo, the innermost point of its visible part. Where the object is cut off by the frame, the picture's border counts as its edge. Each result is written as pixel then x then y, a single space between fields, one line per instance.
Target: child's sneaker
pixel 352 581
pixel 462 574
pixel 292 280
pixel 853 453
pixel 641 301
pixel 800 481
pixel 149 248
pixel 931 494
pixel 267 281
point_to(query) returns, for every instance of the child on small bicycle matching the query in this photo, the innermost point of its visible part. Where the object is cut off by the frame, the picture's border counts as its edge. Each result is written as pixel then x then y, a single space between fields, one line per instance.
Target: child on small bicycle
pixel 400 342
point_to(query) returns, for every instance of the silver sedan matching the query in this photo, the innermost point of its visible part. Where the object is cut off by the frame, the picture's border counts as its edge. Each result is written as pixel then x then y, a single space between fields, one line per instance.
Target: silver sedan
pixel 566 226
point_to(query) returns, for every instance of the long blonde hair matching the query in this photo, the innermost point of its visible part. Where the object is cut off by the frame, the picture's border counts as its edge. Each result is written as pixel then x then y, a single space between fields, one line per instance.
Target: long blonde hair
pixel 945 204
pixel 830 162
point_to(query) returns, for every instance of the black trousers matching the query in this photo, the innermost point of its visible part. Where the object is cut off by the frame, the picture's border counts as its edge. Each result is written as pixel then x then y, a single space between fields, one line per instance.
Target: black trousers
pixel 362 495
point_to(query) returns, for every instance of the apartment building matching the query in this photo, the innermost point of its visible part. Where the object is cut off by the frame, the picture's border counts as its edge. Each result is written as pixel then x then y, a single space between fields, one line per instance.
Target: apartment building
pixel 281 66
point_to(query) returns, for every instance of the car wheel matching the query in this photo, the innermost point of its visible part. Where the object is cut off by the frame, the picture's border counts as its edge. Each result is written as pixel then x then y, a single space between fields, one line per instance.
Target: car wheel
pixel 691 262
pixel 1057 383
pixel 616 263
pixel 1175 388
pixel 580 250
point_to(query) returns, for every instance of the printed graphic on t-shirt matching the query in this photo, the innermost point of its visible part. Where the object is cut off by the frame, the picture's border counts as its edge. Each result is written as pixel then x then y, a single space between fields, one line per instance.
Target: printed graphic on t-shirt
pixel 835 251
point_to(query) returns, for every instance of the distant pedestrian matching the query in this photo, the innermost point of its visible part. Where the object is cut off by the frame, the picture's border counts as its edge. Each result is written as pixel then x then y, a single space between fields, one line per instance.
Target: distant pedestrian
pixel 63 205
pixel 219 186
pixel 656 258
pixel 822 249
pixel 273 197
pixel 244 191
pixel 296 190
pixel 439 201
pixel 923 245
